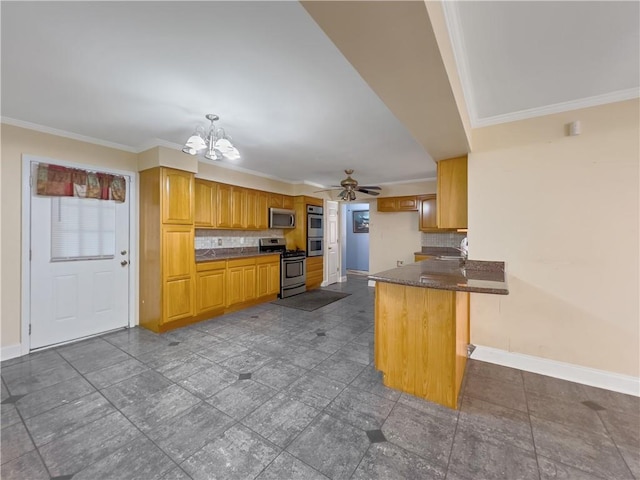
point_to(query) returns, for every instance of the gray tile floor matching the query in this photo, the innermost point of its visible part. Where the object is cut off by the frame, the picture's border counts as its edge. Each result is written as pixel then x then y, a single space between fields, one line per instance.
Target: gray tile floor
pixel 277 393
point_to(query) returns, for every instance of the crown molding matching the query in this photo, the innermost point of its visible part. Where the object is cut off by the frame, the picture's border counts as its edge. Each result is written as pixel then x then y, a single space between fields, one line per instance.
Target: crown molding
pixel 613 97
pixel 65 134
pixel 415 180
pixel 456 37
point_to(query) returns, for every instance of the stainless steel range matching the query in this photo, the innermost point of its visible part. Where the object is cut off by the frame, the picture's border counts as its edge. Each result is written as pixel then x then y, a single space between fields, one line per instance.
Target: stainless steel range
pixel 293 266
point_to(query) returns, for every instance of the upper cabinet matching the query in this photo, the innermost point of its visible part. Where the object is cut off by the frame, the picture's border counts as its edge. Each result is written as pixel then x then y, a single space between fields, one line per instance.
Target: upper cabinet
pixel 452 193
pixel 223 206
pixel 287 202
pixel 205 203
pixel 398 204
pixel 177 196
pixel 428 213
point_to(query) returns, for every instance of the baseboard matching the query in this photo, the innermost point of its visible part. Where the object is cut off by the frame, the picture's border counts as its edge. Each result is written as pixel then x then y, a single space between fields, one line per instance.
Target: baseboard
pixel 372 283
pixel 565 371
pixel 10 351
pixel 342 279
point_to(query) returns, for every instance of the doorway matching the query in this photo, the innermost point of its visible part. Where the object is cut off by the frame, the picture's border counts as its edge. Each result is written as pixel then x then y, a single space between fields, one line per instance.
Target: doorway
pixel 79 280
pixel 356 237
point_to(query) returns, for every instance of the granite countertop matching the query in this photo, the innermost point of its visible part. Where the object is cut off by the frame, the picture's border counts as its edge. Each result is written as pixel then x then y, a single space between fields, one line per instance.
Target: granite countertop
pixel 464 276
pixel 214 254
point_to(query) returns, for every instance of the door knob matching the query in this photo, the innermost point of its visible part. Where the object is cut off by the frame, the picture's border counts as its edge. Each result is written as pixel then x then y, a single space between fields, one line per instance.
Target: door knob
pixel 124 263
pixel 123 252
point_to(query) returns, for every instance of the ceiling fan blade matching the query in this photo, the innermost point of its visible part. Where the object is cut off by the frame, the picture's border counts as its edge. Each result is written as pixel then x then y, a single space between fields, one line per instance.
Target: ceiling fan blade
pixel 370 187
pixel 327 190
pixel 368 192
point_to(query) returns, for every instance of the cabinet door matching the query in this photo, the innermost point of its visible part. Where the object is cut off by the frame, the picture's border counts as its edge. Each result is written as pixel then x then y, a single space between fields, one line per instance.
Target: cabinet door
pixel 251 207
pixel 223 206
pixel 389 204
pixel 177 252
pixel 238 207
pixel 287 202
pixel 235 285
pixel 428 213
pixel 315 271
pixel 262 211
pixel 177 197
pixel 407 204
pixel 263 280
pixel 452 193
pixel 274 278
pixel 205 200
pixel 210 291
pixel 275 200
pixel 177 272
pixel 249 281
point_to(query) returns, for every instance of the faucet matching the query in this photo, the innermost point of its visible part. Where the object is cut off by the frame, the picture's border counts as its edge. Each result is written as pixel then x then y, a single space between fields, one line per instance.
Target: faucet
pixel 464 248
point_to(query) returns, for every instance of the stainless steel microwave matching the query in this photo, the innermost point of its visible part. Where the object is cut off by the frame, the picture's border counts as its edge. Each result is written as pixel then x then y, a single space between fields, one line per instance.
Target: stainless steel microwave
pixel 282 218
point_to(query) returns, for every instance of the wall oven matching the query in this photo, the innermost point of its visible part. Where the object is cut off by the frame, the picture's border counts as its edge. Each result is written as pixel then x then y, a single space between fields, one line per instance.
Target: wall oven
pixel 315 247
pixel 315 226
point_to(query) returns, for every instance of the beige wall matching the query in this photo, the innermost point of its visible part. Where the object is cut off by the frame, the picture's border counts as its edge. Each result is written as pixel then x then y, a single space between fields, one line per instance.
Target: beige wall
pixel 16 142
pixel 563 213
pixel 395 236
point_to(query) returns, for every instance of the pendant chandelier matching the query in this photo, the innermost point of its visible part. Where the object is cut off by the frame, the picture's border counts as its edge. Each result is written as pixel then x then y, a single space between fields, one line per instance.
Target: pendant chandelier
pixel 215 144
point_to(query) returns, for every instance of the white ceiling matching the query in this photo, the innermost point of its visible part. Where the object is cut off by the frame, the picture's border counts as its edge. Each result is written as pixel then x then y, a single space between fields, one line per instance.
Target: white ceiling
pixel 140 74
pixel 523 59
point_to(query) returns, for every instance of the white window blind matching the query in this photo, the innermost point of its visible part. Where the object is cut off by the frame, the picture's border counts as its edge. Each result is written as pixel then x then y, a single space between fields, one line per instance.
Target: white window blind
pixel 82 229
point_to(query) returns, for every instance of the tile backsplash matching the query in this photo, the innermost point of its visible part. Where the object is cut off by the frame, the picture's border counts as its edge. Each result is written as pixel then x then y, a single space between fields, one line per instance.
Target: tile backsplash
pixel 444 239
pixel 205 238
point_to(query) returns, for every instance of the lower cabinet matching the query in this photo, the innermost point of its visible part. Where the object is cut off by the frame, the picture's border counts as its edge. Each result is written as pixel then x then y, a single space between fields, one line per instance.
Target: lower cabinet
pixel 268 270
pixel 210 286
pixel 315 272
pixel 241 280
pixel 177 272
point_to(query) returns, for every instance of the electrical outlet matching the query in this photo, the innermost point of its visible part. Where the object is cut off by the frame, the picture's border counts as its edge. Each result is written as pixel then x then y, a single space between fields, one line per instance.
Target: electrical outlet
pixel 219 242
pixel 399 263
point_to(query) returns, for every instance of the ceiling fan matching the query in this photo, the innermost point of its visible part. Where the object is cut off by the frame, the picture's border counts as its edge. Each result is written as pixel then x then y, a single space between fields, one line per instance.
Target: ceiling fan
pixel 349 187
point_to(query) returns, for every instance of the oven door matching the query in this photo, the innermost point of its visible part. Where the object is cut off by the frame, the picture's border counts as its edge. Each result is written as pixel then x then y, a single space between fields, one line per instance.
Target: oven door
pixel 314 225
pixel 315 247
pixel 293 272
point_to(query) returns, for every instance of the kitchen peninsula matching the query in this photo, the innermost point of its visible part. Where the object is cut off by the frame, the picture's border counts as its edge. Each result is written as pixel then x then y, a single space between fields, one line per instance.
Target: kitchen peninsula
pixel 422 323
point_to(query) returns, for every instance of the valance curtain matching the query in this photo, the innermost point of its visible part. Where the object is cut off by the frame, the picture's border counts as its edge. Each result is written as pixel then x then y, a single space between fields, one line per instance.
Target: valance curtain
pixel 54 180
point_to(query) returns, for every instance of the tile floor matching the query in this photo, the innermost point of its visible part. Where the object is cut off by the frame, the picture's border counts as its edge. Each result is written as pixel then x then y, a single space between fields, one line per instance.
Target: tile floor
pixel 277 393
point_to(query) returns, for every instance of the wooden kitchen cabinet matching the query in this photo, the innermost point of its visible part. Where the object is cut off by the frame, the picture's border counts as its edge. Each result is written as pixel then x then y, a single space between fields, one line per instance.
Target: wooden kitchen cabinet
pixel 205 203
pixel 241 280
pixel 268 271
pixel 210 287
pixel 166 248
pixel 428 213
pixel 315 272
pixel 223 206
pixel 452 193
pixel 275 200
pixel 398 204
pixel 251 210
pixel 262 214
pixel 177 272
pixel 288 202
pixel 238 207
pixel 176 196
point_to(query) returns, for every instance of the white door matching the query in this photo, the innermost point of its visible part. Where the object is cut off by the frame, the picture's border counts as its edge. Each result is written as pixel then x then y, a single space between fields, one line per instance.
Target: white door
pixel 333 265
pixel 79 268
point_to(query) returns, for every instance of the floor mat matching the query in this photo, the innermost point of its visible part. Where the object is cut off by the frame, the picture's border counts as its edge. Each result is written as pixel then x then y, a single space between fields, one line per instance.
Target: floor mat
pixel 311 300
